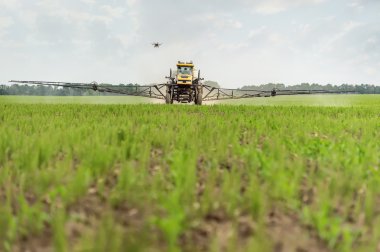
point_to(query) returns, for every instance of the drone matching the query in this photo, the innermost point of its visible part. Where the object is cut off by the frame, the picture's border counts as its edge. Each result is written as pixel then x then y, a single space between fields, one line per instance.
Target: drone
pixel 184 85
pixel 156 44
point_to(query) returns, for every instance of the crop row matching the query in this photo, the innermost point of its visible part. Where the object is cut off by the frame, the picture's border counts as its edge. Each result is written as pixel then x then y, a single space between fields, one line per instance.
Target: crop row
pixel 148 177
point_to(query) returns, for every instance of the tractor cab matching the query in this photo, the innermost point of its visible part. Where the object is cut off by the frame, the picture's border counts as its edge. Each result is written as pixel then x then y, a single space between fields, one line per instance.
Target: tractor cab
pixel 185 73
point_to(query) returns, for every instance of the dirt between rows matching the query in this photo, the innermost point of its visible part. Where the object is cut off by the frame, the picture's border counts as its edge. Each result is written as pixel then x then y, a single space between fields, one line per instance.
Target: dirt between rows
pixel 289 234
pixel 84 217
pixel 283 231
pixel 216 228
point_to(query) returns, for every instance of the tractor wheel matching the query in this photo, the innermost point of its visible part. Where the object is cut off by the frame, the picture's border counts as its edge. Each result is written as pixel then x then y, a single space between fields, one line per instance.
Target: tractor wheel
pixel 168 97
pixel 198 98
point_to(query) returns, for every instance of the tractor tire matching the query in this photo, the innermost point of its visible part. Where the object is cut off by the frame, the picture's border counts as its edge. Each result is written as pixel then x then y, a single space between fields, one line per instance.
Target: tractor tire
pixel 168 97
pixel 198 98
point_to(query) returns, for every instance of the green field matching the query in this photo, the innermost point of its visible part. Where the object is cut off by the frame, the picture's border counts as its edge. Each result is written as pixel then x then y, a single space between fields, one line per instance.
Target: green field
pixel 100 174
pixel 299 100
pixel 76 100
pixel 312 100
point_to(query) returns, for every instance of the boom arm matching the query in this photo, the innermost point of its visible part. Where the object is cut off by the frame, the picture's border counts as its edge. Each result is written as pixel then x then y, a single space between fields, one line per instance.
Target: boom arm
pixel 149 91
pixel 213 93
pixel 158 91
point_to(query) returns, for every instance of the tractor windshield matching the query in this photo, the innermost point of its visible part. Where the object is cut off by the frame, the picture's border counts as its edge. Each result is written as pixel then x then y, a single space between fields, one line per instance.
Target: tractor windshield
pixel 184 70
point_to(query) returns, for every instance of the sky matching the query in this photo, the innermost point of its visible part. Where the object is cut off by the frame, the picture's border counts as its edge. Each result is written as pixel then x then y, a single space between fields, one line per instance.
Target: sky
pixel 236 43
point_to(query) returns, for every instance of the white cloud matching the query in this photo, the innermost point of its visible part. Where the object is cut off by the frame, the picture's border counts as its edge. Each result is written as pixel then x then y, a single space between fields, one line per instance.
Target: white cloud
pixel 233 46
pixel 276 39
pixel 219 20
pixel 370 70
pixel 256 32
pixel 114 12
pixel 304 28
pixel 132 3
pixel 356 5
pixel 268 7
pixel 111 40
pixel 90 2
pixel 328 44
pixel 5 22
pixel 373 41
pixel 10 4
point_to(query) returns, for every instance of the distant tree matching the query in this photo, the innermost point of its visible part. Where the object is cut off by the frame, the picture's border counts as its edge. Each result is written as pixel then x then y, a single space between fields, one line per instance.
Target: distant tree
pixel 58 91
pixel 3 90
pixel 17 89
pixel 361 89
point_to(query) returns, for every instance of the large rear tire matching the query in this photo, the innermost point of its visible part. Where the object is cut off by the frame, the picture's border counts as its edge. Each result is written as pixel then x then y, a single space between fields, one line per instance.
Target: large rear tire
pixel 198 98
pixel 199 90
pixel 168 96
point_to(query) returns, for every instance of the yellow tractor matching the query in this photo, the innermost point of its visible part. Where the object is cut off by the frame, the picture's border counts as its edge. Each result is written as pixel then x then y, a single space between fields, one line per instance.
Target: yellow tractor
pixel 184 85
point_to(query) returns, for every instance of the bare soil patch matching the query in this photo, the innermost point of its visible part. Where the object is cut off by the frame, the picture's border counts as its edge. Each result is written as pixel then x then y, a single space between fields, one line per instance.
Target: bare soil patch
pixel 288 234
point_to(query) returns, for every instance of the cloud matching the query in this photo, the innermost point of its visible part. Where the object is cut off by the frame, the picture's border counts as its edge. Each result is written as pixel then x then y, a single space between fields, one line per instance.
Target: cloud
pixel 355 4
pixel 5 22
pixel 132 3
pixel 268 7
pixel 115 12
pixel 10 4
pixel 256 32
pixel 233 46
pixel 89 2
pixel 218 20
pixel 328 45
pixel 309 40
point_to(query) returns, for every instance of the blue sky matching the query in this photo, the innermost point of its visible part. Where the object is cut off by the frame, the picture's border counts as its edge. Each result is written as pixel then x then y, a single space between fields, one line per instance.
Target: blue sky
pixel 236 43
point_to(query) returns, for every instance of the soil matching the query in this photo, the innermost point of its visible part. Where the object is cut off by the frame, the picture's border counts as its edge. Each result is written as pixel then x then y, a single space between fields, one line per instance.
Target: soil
pixel 288 234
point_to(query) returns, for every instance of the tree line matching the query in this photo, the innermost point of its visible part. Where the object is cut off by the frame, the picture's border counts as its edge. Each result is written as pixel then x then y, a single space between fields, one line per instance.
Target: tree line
pixel 36 90
pixel 360 89
pixel 58 91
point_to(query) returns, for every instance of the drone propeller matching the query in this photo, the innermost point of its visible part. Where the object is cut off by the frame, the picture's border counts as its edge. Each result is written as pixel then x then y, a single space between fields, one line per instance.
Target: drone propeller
pixel 157 44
